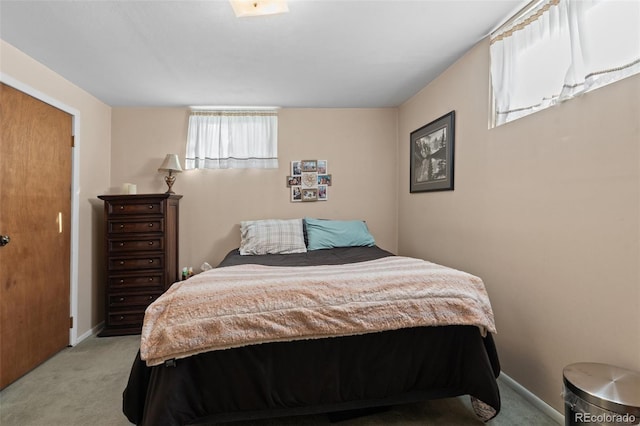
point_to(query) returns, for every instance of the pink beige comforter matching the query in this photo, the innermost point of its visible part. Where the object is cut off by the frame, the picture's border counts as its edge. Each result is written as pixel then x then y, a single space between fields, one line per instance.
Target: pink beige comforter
pixel 251 304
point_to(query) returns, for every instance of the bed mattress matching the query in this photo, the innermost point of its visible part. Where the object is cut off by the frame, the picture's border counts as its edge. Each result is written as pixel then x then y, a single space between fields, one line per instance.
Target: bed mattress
pixel 317 375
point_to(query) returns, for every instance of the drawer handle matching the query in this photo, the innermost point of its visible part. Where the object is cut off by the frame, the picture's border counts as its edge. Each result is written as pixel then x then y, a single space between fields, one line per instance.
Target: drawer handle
pixel 151 225
pixel 121 207
pixel 121 317
pixel 150 280
pixel 121 281
pixel 150 260
pixel 122 299
pixel 151 206
pixel 121 244
pixel 150 297
pixel 122 262
pixel 121 226
pixel 150 243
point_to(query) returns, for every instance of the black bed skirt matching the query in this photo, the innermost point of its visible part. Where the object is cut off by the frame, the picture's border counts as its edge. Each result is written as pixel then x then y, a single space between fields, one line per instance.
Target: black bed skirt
pixel 312 376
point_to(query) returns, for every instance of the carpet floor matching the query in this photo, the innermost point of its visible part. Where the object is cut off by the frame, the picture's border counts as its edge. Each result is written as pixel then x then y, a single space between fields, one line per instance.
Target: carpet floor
pixel 82 386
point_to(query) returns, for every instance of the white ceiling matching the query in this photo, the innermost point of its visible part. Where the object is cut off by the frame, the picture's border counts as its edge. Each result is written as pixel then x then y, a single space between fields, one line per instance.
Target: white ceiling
pixel 323 53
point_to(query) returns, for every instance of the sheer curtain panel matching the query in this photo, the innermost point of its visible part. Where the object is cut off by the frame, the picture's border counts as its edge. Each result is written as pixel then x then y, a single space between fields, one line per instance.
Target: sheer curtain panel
pixel 558 49
pixel 232 139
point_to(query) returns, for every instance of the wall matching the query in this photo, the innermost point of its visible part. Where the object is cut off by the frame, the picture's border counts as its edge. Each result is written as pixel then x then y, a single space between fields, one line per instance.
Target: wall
pixel 94 143
pixel 359 144
pixel 546 210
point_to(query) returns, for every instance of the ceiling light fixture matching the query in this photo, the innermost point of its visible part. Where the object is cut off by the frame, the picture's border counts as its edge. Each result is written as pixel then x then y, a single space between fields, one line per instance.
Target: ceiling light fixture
pixel 243 8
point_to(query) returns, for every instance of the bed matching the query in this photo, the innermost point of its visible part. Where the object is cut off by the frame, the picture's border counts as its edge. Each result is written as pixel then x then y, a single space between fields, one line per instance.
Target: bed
pixel 309 329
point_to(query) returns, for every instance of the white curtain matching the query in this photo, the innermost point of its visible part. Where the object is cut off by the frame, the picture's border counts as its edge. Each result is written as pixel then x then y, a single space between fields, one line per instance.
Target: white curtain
pixel 232 139
pixel 559 49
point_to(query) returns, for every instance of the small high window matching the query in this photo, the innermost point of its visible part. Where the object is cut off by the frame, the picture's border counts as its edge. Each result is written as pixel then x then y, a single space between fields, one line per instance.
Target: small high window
pixel 232 139
pixel 555 50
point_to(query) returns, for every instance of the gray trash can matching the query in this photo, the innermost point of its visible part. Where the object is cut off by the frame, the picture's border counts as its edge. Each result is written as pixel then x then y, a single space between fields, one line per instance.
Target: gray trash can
pixel 600 394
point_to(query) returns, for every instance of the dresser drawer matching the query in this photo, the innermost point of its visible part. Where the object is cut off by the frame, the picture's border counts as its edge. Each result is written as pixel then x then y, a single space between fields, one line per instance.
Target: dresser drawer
pixel 131 226
pixel 121 300
pixel 136 263
pixel 152 279
pixel 132 317
pixel 118 245
pixel 137 207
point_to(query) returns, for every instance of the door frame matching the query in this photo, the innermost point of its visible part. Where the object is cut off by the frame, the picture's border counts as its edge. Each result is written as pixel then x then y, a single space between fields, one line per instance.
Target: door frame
pixel 75 193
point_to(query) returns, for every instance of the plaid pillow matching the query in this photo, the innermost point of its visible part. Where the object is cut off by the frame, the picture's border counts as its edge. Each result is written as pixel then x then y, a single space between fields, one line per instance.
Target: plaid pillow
pixel 272 236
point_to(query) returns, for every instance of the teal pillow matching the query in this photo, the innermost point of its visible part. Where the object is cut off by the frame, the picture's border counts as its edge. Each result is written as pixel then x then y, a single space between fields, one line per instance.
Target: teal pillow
pixel 323 234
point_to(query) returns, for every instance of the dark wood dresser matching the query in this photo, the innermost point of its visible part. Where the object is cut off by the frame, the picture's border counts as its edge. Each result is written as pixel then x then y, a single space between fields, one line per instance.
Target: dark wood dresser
pixel 141 237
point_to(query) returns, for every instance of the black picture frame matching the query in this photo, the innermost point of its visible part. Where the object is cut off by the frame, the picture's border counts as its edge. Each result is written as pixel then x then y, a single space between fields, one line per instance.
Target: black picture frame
pixel 432 155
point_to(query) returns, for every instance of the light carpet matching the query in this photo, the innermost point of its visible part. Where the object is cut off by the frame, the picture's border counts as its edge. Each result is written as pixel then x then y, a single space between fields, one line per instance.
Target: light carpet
pixel 83 385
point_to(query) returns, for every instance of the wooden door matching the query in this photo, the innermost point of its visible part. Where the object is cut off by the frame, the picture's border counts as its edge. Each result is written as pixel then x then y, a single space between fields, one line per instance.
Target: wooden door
pixel 35 207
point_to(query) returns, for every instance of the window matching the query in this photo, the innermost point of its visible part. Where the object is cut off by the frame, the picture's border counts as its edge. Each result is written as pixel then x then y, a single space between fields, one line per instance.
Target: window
pixel 232 139
pixel 558 49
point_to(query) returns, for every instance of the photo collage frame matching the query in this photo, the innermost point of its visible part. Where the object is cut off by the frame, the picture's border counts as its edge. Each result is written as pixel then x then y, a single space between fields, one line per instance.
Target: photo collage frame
pixel 309 180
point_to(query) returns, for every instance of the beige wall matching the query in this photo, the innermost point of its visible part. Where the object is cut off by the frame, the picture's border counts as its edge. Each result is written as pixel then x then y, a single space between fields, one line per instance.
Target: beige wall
pixel 359 144
pixel 94 141
pixel 546 210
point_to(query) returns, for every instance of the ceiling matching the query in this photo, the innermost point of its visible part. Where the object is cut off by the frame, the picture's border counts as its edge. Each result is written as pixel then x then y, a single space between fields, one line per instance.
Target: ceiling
pixel 323 53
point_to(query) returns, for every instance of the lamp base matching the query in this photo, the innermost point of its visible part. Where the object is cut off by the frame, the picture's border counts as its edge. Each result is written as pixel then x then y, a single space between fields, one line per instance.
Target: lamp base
pixel 169 179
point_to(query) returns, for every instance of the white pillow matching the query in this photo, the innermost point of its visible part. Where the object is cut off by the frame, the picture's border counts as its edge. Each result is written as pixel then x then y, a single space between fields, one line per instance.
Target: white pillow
pixel 272 236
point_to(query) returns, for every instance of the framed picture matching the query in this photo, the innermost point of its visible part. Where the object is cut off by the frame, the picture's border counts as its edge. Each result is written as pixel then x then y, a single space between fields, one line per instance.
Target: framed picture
pixel 309 165
pixel 432 155
pixel 309 180
pixel 296 168
pixel 322 193
pixel 294 180
pixel 309 194
pixel 296 194
pixel 324 180
pixel 322 167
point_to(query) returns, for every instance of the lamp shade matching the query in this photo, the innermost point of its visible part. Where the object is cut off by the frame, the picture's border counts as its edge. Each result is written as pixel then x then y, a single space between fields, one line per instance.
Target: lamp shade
pixel 171 163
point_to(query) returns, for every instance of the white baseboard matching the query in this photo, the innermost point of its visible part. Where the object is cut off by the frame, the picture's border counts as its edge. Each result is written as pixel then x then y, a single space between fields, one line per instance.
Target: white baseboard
pixel 532 399
pixel 91 332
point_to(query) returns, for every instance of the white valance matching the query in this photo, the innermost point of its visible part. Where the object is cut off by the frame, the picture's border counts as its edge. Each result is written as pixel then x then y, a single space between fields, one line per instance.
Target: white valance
pixel 232 139
pixel 559 49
